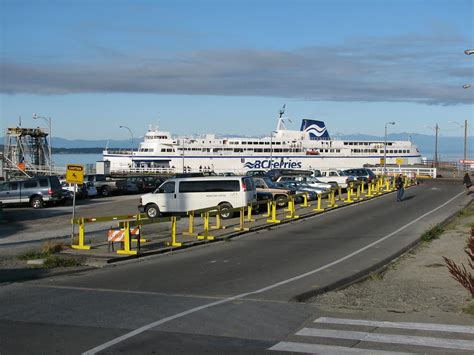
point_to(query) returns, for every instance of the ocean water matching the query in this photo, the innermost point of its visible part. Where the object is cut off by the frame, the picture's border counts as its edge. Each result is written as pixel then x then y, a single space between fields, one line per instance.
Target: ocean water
pixel 61 160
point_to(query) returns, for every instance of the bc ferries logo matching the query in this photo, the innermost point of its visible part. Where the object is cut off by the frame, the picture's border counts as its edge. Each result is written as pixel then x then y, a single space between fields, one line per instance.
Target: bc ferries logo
pixel 316 129
pixel 266 164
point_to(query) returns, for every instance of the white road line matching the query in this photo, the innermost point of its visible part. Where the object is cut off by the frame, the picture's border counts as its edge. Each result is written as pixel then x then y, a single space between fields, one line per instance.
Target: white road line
pixel 458 344
pixel 275 285
pixel 327 349
pixel 399 325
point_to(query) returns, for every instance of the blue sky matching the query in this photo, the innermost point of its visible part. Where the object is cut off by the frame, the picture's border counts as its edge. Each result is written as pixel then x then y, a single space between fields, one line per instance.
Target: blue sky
pixel 228 66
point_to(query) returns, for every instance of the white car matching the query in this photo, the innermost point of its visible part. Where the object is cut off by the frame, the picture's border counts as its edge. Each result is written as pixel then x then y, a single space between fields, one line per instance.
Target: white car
pixel 85 190
pixel 308 180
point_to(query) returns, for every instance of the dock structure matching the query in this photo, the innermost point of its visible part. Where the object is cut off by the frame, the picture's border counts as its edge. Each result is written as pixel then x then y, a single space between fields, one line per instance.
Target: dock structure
pixel 26 152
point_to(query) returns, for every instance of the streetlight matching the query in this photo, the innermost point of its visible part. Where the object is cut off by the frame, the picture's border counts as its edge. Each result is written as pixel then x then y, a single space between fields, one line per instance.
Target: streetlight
pixel 385 146
pixel 436 128
pixel 131 134
pixel 47 119
pixel 465 138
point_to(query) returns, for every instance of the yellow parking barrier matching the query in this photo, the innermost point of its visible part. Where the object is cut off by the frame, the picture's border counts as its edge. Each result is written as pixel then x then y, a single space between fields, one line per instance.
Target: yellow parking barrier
pixel 339 193
pixel 81 238
pixel 249 213
pixel 318 208
pixel 241 226
pixel 174 242
pixel 291 207
pixel 358 196
pixel 305 200
pixel 349 193
pixel 218 224
pixel 369 189
pixel 205 234
pixel 269 208
pixel 332 199
pixel 190 231
pixel 273 218
pixel 126 241
pixel 362 187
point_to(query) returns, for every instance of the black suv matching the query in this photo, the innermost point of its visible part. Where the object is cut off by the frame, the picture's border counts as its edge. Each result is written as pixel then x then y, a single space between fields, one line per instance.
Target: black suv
pixel 36 191
pixel 362 174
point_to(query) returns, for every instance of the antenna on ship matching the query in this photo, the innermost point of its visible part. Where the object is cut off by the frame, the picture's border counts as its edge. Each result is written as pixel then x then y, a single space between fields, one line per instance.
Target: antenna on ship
pixel 282 110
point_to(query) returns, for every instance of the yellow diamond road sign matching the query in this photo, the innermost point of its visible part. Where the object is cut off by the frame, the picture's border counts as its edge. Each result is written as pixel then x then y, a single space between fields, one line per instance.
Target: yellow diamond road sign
pixel 75 174
pixel 399 161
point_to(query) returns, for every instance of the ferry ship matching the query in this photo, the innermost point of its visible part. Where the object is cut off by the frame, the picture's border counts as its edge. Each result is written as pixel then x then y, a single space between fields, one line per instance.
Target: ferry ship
pixel 309 148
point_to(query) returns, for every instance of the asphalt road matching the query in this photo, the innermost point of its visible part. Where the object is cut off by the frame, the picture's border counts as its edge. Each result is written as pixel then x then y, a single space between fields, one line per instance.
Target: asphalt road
pixel 230 296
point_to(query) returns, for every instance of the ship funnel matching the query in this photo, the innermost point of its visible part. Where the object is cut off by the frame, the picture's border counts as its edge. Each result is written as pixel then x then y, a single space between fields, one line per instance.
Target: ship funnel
pixel 316 129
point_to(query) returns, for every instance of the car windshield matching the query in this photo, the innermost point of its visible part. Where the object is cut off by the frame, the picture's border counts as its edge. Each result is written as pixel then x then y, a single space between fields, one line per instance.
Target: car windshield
pixel 269 182
pixel 343 173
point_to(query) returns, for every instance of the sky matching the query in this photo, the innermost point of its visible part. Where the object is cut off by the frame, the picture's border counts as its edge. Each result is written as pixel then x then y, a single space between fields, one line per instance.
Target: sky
pixel 227 67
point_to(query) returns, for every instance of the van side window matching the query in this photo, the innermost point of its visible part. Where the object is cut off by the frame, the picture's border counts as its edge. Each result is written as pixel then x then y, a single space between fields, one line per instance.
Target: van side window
pixel 30 183
pixel 4 186
pixel 209 186
pixel 167 188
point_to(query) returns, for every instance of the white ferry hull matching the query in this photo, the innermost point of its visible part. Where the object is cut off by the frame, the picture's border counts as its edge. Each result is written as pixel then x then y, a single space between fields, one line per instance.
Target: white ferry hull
pixel 309 148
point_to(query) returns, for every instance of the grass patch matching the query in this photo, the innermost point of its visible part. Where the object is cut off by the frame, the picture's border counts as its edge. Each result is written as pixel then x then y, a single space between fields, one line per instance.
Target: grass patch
pixel 432 234
pixel 376 276
pixel 469 309
pixel 49 251
pixel 53 261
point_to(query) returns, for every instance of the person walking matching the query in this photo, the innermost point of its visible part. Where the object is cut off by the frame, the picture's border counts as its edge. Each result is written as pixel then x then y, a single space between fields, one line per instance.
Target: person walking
pixel 467 182
pixel 399 185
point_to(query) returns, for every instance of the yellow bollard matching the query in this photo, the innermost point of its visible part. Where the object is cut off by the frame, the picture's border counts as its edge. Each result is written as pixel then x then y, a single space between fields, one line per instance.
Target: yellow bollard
pixel 205 234
pixel 174 242
pixel 339 192
pixel 332 199
pixel 349 193
pixel 305 200
pixel 126 241
pixel 218 224
pixel 138 218
pixel 249 213
pixel 362 187
pixel 358 191
pixel 191 225
pixel 273 218
pixel 291 207
pixel 269 208
pixel 369 189
pixel 318 208
pixel 81 238
pixel 241 221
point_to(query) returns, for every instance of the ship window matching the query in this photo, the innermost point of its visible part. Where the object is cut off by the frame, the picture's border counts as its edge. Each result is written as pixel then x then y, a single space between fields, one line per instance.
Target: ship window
pixel 244 142
pixel 266 150
pixel 267 143
pixel 238 150
pixel 258 150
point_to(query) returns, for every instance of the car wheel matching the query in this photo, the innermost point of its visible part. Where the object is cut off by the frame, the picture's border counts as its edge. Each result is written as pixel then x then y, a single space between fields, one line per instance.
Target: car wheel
pixel 37 202
pixel 225 210
pixel 105 191
pixel 152 211
pixel 281 201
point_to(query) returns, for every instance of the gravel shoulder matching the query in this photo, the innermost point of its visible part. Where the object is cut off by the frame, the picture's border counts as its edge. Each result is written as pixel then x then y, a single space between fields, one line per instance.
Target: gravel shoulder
pixel 417 282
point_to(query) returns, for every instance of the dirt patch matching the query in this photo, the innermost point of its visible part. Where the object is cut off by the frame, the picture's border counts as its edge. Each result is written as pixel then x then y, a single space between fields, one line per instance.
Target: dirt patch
pixel 418 281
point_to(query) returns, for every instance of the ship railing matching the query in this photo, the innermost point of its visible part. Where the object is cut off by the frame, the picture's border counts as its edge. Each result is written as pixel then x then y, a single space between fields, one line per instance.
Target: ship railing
pixel 145 170
pixel 119 151
pixel 407 171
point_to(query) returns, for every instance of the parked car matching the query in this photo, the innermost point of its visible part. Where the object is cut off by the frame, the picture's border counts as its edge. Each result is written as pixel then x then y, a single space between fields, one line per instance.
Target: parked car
pixel 256 173
pixel 311 181
pixel 299 189
pixel 280 194
pixel 37 191
pixel 104 185
pixel 334 176
pixel 180 195
pixel 139 184
pixel 362 174
pixel 84 190
pixel 274 174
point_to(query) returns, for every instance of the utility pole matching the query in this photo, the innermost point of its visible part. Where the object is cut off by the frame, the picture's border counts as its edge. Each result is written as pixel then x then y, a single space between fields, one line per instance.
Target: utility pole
pixel 436 147
pixel 465 144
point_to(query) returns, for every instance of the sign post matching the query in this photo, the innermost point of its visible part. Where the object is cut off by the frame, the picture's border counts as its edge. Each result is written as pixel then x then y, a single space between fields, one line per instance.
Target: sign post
pixel 74 175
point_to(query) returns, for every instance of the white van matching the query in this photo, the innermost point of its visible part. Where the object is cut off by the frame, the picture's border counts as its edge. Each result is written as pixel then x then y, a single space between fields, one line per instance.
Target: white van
pixel 180 195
